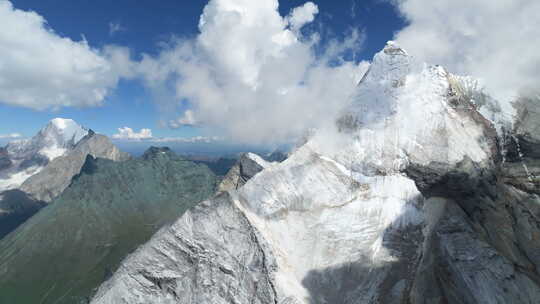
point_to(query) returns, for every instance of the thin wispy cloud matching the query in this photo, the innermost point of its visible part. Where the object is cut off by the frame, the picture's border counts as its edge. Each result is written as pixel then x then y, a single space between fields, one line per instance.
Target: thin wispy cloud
pixel 10 136
pixel 354 7
pixel 115 27
pixel 195 139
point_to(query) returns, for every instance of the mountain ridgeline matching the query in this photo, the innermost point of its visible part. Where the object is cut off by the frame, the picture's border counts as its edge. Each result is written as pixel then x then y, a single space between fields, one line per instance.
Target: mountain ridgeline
pixel 66 250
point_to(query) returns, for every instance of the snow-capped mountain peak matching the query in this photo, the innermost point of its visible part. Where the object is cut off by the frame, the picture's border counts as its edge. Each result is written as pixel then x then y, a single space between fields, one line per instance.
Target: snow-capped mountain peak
pixel 404 111
pixel 390 66
pixel 30 156
pixel 51 141
pixel 66 130
pixel 56 138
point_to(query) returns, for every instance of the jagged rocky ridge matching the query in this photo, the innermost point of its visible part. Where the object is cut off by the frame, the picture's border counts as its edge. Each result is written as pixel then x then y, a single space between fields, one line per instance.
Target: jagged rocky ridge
pixel 414 199
pixel 64 252
pixel 245 168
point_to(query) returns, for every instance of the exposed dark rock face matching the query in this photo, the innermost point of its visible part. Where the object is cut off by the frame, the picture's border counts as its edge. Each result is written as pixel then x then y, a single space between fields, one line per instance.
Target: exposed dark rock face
pixel 5 162
pixel 483 244
pixel 220 166
pixel 276 156
pixel 67 249
pixel 15 208
pixel 245 168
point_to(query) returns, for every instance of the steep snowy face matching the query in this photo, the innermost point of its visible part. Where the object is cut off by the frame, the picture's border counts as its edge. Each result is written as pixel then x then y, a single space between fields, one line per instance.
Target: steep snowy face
pixel 68 131
pixel 58 136
pixel 324 223
pixel 408 113
pixel 29 156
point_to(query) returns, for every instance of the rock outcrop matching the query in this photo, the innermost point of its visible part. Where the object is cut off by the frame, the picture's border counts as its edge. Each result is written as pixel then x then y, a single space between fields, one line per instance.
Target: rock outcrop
pixel 5 162
pixel 245 168
pixel 75 243
pixel 484 238
pixel 15 208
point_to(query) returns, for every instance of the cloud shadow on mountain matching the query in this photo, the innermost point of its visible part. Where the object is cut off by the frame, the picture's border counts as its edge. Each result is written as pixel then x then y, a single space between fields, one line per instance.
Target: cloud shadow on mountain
pixel 363 281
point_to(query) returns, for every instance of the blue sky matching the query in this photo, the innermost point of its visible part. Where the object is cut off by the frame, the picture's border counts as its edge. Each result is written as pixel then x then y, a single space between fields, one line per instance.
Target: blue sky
pixel 142 26
pixel 250 72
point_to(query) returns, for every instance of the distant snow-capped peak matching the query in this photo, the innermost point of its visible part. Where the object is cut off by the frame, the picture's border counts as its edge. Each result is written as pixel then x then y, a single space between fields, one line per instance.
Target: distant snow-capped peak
pixel 66 130
pixel 52 141
pixel 30 156
pixel 59 136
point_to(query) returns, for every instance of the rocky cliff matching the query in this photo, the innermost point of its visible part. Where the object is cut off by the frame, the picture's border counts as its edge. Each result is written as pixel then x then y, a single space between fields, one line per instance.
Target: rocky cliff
pixel 5 162
pixel 245 168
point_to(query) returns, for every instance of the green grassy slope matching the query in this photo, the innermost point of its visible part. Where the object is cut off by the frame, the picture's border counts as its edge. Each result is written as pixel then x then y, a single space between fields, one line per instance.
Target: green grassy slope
pixel 69 248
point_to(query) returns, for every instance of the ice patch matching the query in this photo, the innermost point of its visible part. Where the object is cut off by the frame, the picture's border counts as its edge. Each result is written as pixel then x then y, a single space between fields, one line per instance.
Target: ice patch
pixel 53 152
pixel 15 180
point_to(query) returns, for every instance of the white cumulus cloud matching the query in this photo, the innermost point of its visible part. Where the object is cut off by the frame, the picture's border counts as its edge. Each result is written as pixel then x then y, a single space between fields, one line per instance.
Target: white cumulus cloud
pixel 127 133
pixel 251 74
pixel 302 15
pixel 40 69
pixel 495 41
